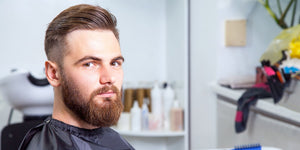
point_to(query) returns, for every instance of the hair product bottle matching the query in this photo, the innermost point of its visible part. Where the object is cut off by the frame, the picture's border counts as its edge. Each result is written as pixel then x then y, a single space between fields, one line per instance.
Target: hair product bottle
pixel 135 117
pixel 145 115
pixel 124 123
pixel 176 117
pixel 157 106
pixel 128 99
pixel 168 99
pixel 140 96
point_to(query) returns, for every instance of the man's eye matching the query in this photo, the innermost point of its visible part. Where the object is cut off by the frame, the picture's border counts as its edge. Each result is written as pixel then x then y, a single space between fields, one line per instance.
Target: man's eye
pixel 116 64
pixel 89 64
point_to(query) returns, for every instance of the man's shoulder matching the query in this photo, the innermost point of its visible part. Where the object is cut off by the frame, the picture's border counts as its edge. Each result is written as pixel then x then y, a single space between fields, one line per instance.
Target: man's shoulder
pixel 44 136
pixel 49 136
pixel 30 134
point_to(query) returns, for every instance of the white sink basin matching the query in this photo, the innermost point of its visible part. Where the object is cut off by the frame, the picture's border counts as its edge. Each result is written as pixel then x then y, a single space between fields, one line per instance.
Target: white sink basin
pixel 21 94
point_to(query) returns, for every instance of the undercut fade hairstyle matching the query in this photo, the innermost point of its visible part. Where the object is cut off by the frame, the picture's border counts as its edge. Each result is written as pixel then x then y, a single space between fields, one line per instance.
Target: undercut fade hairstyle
pixel 78 17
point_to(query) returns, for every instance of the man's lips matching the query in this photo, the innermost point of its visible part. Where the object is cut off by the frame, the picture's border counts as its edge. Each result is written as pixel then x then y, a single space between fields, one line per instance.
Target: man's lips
pixel 107 94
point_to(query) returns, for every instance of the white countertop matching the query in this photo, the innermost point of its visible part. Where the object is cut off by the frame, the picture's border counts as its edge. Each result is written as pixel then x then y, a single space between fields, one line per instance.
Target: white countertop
pixel 266 105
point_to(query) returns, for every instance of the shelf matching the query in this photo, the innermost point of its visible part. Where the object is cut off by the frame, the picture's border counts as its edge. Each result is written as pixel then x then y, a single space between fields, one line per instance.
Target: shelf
pixel 152 133
pixel 227 92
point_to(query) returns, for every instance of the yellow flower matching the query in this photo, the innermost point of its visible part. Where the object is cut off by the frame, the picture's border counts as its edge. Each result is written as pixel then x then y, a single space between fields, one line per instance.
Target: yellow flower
pixel 294 47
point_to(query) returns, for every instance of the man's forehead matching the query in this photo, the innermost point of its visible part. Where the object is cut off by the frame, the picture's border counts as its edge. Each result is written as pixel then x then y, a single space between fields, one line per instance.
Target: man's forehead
pixel 93 42
pixel 85 32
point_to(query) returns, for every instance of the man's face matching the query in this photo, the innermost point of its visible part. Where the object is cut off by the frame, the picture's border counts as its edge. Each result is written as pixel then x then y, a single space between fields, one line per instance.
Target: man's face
pixel 92 76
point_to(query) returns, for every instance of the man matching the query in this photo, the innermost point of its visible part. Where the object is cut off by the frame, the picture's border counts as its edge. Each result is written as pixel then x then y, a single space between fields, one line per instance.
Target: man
pixel 85 69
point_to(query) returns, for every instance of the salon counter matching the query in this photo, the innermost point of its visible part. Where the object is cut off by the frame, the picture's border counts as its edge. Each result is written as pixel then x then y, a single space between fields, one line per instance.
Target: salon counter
pixel 274 125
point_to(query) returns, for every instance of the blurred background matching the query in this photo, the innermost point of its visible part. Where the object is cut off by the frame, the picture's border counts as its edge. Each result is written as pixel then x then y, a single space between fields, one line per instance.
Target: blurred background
pixel 189 44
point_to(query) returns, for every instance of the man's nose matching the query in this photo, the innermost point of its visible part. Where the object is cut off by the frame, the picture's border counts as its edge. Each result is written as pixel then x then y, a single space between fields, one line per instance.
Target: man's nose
pixel 107 76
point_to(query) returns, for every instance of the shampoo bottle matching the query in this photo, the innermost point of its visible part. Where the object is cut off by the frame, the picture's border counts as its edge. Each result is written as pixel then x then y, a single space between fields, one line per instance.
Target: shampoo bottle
pixel 168 99
pixel 145 115
pixel 135 117
pixel 156 106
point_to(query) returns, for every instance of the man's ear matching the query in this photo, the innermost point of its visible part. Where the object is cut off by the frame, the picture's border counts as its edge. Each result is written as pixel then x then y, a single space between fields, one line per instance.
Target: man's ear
pixel 52 73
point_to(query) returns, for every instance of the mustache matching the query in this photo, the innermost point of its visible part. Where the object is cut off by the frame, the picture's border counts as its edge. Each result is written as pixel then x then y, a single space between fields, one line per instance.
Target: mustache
pixel 104 90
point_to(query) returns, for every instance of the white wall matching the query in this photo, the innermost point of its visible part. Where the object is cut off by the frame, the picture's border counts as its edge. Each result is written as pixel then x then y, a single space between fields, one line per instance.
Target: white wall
pixel 204 44
pixel 176 47
pixel 142 26
pixel 212 60
pixel 261 29
pixel 177 55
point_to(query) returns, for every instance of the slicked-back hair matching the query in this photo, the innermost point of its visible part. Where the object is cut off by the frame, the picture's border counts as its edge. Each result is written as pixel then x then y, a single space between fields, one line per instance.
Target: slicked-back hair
pixel 78 17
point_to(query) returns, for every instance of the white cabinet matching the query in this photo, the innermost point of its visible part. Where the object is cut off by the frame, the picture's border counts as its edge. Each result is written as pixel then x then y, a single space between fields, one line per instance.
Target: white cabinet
pixel 279 122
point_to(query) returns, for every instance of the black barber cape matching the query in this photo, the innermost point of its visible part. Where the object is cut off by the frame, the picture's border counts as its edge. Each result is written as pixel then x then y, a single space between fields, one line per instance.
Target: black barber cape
pixel 56 135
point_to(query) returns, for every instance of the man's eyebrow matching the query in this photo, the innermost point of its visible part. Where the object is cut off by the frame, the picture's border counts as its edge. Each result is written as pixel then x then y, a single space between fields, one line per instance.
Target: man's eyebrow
pixel 97 59
pixel 87 58
pixel 119 58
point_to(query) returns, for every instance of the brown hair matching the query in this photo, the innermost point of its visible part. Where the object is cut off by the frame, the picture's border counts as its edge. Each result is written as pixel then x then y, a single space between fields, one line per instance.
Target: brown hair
pixel 83 16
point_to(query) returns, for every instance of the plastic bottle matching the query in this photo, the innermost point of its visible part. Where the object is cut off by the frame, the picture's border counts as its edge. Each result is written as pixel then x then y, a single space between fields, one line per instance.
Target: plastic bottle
pixel 168 99
pixel 135 117
pixel 156 106
pixel 145 115
pixel 176 117
pixel 124 123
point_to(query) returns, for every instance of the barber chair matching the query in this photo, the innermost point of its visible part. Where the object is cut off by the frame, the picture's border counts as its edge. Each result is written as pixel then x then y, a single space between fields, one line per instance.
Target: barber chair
pixel 33 97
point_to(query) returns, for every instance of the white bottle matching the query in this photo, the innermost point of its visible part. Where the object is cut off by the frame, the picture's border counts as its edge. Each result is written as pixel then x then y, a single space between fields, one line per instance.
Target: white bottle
pixel 156 106
pixel 145 115
pixel 124 123
pixel 168 99
pixel 135 117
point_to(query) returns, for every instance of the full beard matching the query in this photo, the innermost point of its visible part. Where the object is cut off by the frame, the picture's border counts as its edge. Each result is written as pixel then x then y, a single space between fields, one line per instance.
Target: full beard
pixel 104 114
